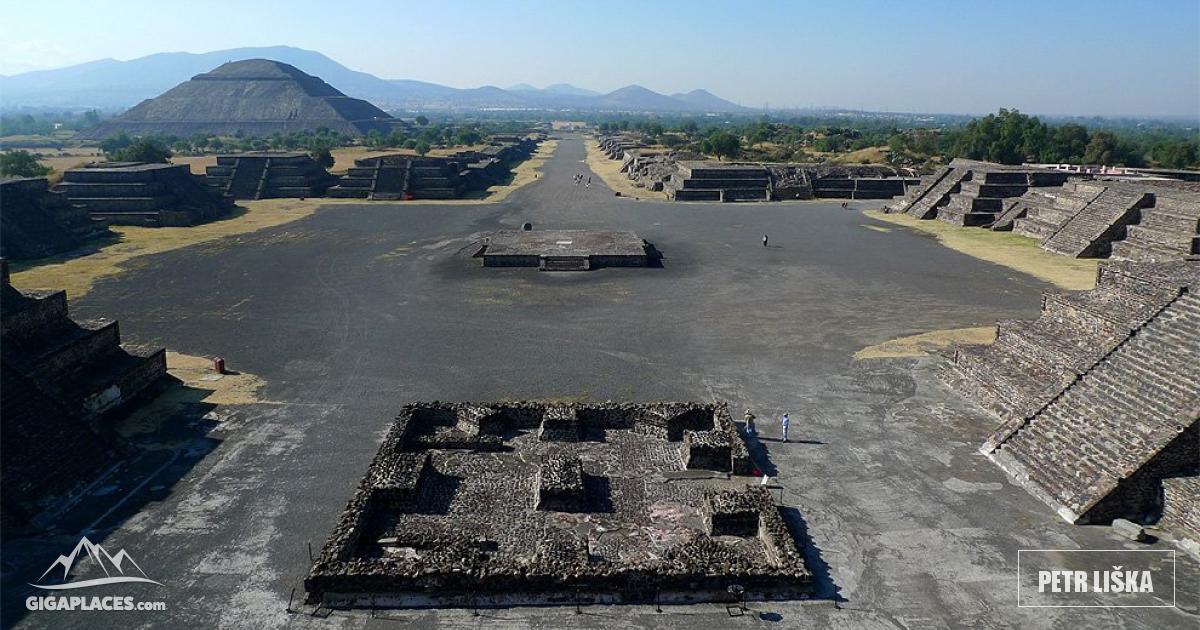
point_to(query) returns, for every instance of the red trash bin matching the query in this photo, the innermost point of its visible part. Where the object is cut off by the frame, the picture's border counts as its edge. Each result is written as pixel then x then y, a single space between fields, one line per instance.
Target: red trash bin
pixel 219 365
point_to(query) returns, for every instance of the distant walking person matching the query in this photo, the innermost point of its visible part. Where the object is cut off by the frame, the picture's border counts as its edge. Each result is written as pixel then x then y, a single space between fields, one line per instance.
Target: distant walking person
pixel 786 422
pixel 764 240
pixel 750 429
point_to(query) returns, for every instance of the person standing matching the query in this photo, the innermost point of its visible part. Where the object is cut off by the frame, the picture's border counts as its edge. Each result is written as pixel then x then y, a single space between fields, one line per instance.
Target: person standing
pixel 786 422
pixel 750 429
pixel 764 240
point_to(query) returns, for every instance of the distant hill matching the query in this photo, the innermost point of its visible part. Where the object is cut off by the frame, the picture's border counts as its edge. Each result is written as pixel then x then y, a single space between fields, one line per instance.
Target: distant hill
pixel 112 84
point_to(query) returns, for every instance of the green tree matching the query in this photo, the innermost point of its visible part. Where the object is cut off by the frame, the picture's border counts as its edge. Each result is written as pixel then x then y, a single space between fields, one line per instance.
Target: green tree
pixel 1067 144
pixel 150 150
pixel 422 121
pixel 421 147
pixel 112 144
pixel 322 157
pixel 21 164
pixel 723 145
pixel 374 139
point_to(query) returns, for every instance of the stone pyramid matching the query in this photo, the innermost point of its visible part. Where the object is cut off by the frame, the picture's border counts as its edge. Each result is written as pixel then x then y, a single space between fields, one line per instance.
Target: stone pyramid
pixel 255 97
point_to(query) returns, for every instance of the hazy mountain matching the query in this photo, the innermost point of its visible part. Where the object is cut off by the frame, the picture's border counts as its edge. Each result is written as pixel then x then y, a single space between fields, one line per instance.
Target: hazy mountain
pixel 703 99
pixel 111 84
pixel 567 88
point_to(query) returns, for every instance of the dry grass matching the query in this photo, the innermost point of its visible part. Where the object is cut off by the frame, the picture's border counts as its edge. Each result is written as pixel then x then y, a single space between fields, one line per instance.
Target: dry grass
pixel 610 171
pixel 77 274
pixel 869 155
pixel 66 159
pixel 1004 248
pixel 197 163
pixel 198 385
pixel 926 343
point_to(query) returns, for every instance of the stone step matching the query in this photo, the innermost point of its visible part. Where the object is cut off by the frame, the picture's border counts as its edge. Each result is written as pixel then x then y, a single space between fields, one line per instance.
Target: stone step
pixel 1164 238
pixel 1034 228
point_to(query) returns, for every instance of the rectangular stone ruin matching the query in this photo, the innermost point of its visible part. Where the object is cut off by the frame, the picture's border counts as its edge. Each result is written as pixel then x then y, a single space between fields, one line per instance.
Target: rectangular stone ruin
pixel 719 181
pixel 566 250
pixel 611 516
pixel 269 175
pixel 135 193
pixel 37 222
pixel 560 484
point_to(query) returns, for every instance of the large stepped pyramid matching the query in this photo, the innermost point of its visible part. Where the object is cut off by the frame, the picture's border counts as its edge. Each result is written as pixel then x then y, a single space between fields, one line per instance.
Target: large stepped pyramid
pixel 254 97
pixel 37 222
pixel 1101 448
pixel 1031 362
pixel 62 381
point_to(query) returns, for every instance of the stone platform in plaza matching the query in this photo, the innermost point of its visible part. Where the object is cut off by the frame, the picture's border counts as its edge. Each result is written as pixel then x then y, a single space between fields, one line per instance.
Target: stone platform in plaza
pixel 567 250
pixel 522 502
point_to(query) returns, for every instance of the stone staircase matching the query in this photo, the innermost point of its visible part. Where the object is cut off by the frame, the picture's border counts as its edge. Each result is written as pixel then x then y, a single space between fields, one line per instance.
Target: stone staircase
pixel 925 205
pixel 1043 211
pixel 1030 362
pixel 565 263
pixel 1090 232
pixel 1169 230
pixel 1101 447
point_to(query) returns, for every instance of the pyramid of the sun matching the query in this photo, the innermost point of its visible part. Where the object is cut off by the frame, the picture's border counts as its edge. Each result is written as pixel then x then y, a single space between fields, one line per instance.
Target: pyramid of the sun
pixel 256 97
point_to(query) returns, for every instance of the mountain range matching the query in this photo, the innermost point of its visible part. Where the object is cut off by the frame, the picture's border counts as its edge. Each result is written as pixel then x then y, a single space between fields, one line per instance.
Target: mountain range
pixel 113 84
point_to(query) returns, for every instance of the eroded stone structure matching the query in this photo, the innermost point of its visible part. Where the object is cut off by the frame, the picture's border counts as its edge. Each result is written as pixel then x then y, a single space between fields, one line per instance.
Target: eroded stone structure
pixel 469 504
pixel 566 250
pixel 266 175
pixel 403 176
pixel 61 378
pixel 37 222
pixel 971 193
pixel 137 193
pixel 1100 396
pixel 687 176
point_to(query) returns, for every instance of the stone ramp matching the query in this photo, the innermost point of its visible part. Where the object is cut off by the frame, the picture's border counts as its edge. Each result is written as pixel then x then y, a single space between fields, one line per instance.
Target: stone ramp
pixel 1099 449
pixel 1089 233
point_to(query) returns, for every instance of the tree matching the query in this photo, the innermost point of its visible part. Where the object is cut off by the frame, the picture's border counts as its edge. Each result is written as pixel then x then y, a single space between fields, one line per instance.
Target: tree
pixel 469 136
pixel 112 144
pixel 422 121
pixel 150 150
pixel 323 157
pixel 21 164
pixel 1067 144
pixel 374 139
pixel 421 147
pixel 723 145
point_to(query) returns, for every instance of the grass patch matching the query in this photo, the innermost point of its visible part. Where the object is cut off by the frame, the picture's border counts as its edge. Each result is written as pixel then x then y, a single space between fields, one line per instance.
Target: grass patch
pixel 926 343
pixel 1004 248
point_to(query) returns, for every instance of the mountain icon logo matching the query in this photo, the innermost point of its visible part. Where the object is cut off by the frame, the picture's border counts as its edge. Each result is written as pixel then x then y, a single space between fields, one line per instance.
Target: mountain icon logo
pixel 118 568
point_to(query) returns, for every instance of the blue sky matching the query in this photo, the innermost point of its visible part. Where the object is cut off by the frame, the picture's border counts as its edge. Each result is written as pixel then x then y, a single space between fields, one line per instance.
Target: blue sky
pixel 1051 57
